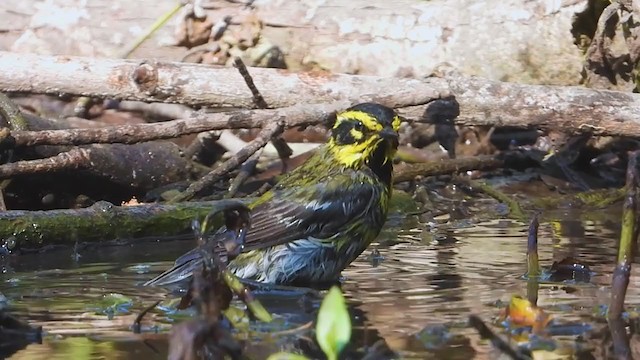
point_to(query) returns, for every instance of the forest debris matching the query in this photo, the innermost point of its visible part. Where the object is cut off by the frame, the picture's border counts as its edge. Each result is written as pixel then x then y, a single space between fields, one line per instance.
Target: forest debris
pixel 608 31
pixel 281 146
pixel 516 105
pixel 195 122
pixel 193 29
pixel 268 132
pixel 113 173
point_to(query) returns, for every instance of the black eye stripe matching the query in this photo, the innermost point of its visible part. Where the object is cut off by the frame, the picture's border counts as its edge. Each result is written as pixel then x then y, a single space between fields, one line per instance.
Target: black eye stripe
pixel 343 135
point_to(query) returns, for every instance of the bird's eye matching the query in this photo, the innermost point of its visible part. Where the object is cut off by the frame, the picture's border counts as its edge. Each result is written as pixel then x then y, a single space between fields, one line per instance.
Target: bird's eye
pixel 359 126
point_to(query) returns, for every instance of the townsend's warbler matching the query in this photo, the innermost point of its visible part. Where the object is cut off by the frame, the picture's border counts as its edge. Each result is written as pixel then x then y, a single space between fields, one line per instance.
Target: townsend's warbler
pixel 322 215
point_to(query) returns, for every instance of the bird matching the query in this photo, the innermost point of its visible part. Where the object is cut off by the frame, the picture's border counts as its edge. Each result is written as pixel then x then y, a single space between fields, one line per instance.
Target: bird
pixel 320 216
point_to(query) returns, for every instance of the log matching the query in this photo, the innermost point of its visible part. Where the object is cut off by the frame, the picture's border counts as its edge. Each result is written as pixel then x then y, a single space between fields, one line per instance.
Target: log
pixel 194 84
pixel 481 101
pixel 25 230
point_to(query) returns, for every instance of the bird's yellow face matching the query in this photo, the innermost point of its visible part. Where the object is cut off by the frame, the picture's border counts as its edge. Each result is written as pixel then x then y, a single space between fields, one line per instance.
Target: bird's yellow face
pixel 365 134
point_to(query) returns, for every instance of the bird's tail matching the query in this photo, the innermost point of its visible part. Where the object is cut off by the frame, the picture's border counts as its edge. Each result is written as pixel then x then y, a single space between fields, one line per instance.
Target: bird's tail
pixel 182 271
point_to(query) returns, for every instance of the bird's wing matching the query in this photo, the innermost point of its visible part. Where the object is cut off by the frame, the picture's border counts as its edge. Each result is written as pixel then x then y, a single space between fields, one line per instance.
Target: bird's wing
pixel 333 204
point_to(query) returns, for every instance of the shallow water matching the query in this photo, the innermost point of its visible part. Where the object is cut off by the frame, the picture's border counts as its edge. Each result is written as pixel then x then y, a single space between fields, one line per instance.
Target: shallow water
pixel 417 298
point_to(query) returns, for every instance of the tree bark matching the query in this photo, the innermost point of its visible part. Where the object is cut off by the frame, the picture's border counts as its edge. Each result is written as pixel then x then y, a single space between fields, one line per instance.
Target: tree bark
pixel 194 84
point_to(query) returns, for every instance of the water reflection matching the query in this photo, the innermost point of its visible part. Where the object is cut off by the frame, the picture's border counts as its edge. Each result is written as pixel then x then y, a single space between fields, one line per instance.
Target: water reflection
pixel 417 299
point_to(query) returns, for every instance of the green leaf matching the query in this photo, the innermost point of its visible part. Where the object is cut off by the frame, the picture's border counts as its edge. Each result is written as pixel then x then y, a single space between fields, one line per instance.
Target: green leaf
pixel 286 356
pixel 333 328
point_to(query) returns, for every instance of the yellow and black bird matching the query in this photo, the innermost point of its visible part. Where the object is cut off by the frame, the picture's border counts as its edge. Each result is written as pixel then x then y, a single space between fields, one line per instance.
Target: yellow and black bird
pixel 322 215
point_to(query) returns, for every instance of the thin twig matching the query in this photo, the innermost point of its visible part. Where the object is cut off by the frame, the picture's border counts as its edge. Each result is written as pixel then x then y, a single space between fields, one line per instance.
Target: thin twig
pixel 246 170
pixel 73 159
pixel 260 141
pixel 486 333
pixel 257 97
pixel 514 207
pixel 151 30
pixel 137 327
pixel 283 149
pixel 302 327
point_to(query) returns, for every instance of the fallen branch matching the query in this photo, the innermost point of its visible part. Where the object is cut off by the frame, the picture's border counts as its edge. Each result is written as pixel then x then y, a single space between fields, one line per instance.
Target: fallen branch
pixel 194 84
pixel 482 102
pixel 297 115
pixel 103 221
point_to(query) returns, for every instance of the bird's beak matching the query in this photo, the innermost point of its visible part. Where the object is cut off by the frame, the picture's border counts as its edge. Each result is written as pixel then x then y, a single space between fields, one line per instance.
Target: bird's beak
pixel 389 135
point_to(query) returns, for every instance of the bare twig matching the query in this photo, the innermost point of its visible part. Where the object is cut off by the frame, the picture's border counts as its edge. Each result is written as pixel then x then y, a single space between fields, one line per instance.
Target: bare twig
pixel 270 130
pixel 476 322
pixel 257 97
pixel 151 30
pixel 137 326
pixel 501 104
pixel 514 208
pixel 73 159
pixel 283 149
pixel 245 171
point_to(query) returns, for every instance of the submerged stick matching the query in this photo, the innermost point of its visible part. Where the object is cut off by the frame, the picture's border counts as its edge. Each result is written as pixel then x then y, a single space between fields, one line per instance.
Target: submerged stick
pixel 514 208
pixel 533 264
pixel 620 339
pixel 476 322
pixel 450 166
pixel 622 271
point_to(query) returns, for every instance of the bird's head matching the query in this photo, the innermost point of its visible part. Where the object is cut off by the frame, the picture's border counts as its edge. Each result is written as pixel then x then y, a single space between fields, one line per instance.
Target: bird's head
pixel 365 135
